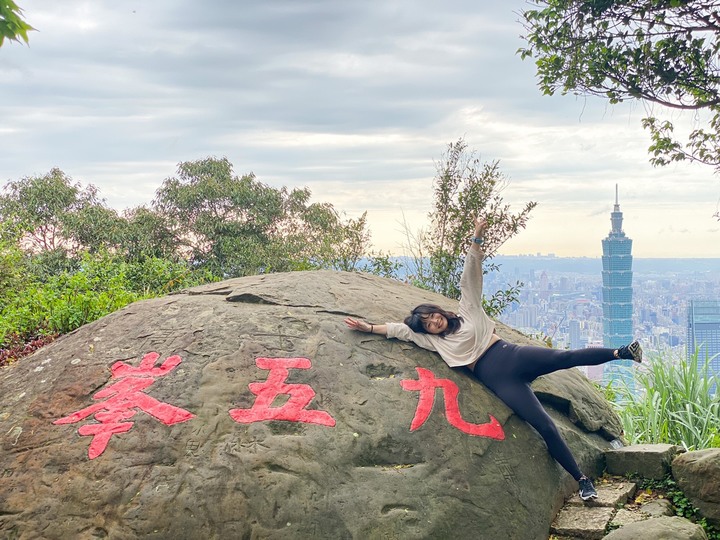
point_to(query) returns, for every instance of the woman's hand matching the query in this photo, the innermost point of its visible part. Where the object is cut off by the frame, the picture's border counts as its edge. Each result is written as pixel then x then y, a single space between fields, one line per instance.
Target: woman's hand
pixel 480 225
pixel 360 326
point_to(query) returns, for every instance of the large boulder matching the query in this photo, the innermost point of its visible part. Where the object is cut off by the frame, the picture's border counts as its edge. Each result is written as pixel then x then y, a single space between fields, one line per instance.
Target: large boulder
pixel 246 409
pixel 698 475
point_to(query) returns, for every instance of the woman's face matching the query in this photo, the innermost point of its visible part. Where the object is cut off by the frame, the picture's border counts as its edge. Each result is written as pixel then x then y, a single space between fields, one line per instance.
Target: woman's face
pixel 435 323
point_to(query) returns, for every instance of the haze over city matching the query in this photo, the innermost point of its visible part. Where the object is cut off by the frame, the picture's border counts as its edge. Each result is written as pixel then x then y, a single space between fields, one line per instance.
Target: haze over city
pixel 355 100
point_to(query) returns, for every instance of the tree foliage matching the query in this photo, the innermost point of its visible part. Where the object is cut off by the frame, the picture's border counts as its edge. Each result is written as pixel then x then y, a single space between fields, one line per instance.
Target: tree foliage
pixel 67 259
pixel 663 51
pixel 148 234
pixel 660 51
pixel 11 270
pixel 237 226
pixel 463 189
pixel 12 24
pixel 55 213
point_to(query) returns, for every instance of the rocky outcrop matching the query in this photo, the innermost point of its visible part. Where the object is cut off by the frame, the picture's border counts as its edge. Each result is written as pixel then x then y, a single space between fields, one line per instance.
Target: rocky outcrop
pixel 246 409
pixel 698 475
pixel 659 528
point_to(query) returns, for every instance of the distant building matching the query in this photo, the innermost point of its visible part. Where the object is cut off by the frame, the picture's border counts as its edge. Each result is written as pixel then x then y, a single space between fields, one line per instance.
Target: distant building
pixel 703 332
pixel 574 333
pixel 617 294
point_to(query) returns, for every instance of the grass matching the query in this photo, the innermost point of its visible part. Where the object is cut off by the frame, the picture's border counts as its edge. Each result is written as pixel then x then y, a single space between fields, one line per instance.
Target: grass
pixel 672 403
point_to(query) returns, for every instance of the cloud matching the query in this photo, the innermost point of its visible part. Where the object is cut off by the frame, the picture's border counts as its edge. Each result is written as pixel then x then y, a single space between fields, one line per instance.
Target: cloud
pixel 355 100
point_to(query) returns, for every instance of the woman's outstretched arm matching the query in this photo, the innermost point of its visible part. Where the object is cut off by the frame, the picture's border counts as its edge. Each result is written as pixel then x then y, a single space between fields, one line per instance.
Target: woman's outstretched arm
pixel 363 326
pixel 399 331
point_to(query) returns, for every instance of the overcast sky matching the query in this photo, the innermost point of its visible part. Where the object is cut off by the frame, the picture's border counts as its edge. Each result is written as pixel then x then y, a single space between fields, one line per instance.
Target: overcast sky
pixel 355 100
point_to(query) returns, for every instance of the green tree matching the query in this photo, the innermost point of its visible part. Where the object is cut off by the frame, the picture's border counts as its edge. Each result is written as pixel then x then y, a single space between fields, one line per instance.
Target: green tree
pixel 12 24
pixel 56 214
pixel 664 52
pixel 12 266
pixel 235 225
pixel 465 188
pixel 146 233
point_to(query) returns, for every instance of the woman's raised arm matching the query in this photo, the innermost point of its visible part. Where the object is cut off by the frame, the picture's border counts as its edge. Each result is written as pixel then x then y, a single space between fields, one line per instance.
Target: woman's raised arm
pixel 471 280
pixel 478 238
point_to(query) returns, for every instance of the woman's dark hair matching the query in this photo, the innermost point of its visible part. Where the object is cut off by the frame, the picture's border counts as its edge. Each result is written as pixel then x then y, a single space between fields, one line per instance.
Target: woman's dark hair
pixel 423 311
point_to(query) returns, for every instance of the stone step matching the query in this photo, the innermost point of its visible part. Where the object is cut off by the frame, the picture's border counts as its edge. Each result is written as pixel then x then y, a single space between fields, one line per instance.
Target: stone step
pixel 589 520
pixel 610 493
pixel 579 522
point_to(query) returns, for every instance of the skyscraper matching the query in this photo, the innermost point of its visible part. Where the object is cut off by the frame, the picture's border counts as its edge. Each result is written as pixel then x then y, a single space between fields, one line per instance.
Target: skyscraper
pixel 617 293
pixel 574 331
pixel 703 332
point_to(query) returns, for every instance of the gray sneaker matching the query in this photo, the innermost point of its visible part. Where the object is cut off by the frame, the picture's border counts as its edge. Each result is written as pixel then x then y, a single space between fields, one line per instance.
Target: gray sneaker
pixel 587 490
pixel 632 352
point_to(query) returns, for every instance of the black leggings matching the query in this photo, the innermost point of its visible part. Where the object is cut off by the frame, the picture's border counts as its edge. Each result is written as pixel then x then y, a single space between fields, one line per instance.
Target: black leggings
pixel 508 369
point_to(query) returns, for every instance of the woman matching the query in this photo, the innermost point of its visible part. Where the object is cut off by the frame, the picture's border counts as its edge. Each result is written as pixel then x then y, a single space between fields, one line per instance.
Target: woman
pixel 469 339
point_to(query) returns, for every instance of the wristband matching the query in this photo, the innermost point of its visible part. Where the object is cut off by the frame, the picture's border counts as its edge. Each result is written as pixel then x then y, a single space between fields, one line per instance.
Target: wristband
pixel 372 328
pixel 478 240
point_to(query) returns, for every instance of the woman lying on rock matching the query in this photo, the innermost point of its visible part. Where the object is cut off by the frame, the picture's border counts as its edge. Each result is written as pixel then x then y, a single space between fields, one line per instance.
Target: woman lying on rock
pixel 469 339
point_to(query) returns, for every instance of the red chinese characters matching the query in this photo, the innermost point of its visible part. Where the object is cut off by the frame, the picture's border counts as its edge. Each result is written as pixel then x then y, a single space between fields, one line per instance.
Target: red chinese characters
pixel 426 385
pixel 120 401
pixel 293 409
pixel 123 399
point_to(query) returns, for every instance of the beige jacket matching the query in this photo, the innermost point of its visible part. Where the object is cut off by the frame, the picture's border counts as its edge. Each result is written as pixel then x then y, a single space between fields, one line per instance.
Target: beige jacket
pixel 470 341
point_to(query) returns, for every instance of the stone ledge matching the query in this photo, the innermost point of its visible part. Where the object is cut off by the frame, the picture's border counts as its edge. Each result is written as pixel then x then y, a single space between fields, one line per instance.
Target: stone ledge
pixel 582 521
pixel 646 460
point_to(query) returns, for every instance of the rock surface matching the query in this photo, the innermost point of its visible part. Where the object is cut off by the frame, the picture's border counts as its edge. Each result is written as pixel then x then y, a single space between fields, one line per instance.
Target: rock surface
pixel 246 409
pixel 698 475
pixel 659 528
pixel 658 507
pixel 646 460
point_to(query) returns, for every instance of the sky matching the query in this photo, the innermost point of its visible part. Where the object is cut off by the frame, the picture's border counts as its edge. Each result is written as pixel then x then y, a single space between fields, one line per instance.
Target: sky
pixel 355 100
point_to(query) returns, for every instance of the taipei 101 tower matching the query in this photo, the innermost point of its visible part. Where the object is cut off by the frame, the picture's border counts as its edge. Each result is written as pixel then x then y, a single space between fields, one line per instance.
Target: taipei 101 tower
pixel 617 292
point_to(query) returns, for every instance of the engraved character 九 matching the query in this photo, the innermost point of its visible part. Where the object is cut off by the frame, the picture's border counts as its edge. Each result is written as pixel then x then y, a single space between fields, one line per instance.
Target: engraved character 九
pixel 426 385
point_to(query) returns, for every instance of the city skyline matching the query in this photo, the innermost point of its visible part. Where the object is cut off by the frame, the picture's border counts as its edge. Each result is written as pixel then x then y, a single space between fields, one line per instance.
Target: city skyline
pixel 554 300
pixel 355 101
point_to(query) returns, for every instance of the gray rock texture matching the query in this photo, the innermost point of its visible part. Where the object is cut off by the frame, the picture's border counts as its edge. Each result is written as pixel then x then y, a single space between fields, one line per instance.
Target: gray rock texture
pixel 646 460
pixel 659 528
pixel 658 507
pixel 698 475
pixel 246 409
pixel 582 522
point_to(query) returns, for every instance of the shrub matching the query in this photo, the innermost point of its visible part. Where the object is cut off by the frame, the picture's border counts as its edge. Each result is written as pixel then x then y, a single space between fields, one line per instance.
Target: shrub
pixel 49 304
